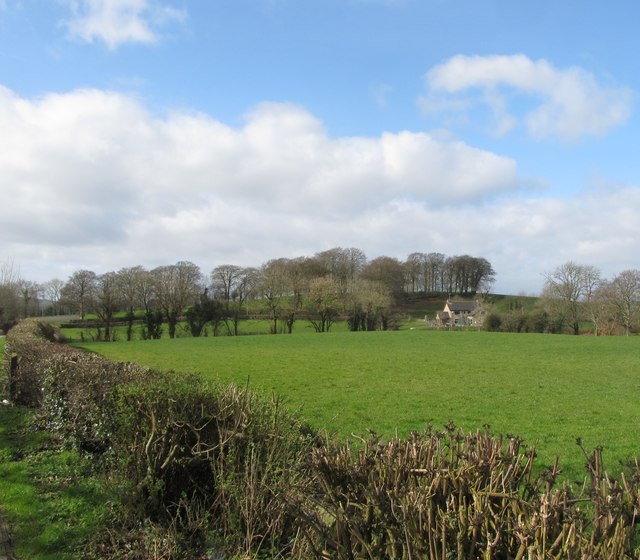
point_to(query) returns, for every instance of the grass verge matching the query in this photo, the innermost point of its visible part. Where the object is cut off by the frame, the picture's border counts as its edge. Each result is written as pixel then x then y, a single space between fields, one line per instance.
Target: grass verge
pixel 53 504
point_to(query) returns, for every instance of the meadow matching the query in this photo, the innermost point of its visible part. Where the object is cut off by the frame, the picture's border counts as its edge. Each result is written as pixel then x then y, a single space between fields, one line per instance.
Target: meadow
pixel 547 389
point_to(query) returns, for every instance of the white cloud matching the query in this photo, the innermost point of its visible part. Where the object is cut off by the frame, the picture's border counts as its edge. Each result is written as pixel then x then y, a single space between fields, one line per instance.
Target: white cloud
pixel 95 170
pixel 67 146
pixel 93 180
pixel 567 103
pixel 115 22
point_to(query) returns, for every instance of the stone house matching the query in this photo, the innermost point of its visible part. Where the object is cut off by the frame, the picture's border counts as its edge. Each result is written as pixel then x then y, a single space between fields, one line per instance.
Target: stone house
pixel 460 314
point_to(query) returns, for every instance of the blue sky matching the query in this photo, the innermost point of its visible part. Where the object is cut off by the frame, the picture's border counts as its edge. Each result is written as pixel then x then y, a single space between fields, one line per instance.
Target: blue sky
pixel 152 131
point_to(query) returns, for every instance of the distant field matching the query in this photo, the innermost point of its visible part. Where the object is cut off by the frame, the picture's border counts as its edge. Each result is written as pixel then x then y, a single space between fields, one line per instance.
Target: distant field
pixel 246 327
pixel 548 389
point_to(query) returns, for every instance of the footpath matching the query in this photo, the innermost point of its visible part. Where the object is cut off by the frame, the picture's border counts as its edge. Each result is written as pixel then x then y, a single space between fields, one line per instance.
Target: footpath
pixel 5 541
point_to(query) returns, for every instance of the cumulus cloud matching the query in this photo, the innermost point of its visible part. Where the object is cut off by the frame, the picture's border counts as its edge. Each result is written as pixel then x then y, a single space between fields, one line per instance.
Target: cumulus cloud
pixel 92 179
pixel 95 169
pixel 91 147
pixel 115 22
pixel 565 103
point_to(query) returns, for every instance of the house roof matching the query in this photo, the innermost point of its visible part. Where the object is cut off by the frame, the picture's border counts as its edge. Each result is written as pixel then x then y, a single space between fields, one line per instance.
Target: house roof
pixel 461 306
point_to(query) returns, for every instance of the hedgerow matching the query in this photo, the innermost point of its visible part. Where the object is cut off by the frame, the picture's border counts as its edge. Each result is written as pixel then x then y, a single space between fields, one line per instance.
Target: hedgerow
pixel 200 453
pixel 208 471
pixel 196 465
pixel 452 495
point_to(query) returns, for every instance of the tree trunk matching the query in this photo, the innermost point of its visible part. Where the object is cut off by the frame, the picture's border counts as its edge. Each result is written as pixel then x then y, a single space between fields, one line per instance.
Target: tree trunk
pixel 172 320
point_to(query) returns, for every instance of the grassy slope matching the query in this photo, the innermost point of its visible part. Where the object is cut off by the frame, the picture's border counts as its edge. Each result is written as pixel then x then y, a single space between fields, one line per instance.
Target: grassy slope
pixel 547 389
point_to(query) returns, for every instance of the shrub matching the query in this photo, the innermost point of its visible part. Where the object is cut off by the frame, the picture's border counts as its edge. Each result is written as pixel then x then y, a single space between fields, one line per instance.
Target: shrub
pixel 493 322
pixel 538 321
pixel 450 495
pixel 198 452
pixel 514 321
pixel 78 397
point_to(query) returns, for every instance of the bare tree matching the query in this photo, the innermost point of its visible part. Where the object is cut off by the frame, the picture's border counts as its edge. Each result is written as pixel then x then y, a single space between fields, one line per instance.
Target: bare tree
pixel 29 294
pixel 343 265
pixel 9 281
pixel 233 285
pixel 108 300
pixel 153 313
pixel 243 290
pixel 176 287
pixel 591 281
pixel 624 296
pixel 223 282
pixel 369 306
pixel 482 275
pixel 414 269
pixel 387 272
pixel 79 291
pixel 52 290
pixel 468 275
pixel 273 287
pixel 224 279
pixel 434 272
pixel 602 311
pixel 570 286
pixel 449 275
pixel 297 286
pixel 131 283
pixel 323 302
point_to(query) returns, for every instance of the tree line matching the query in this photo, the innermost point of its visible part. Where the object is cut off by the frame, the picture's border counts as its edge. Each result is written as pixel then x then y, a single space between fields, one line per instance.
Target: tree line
pixel 336 283
pixel 576 297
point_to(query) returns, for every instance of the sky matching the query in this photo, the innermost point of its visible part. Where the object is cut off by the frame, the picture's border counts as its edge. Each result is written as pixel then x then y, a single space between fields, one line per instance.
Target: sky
pixel 147 132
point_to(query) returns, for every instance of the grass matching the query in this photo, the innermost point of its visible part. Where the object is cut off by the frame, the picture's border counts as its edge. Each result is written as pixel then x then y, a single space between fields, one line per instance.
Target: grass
pixel 547 389
pixel 410 313
pixel 52 505
pixel 246 327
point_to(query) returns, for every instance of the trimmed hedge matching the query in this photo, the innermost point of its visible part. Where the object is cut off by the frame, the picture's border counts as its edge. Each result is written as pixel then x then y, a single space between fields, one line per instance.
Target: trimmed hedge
pixel 28 347
pixel 206 466
pixel 467 496
pixel 207 471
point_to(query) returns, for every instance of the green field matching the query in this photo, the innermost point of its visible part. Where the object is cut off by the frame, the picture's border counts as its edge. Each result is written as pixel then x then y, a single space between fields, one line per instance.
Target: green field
pixel 548 389
pixel 246 327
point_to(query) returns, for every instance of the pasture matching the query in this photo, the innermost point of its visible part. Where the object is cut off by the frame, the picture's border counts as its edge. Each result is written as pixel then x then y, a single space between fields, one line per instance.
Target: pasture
pixel 547 389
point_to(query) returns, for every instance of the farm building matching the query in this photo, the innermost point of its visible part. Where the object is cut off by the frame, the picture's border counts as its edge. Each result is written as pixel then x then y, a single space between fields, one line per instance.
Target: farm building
pixel 460 314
